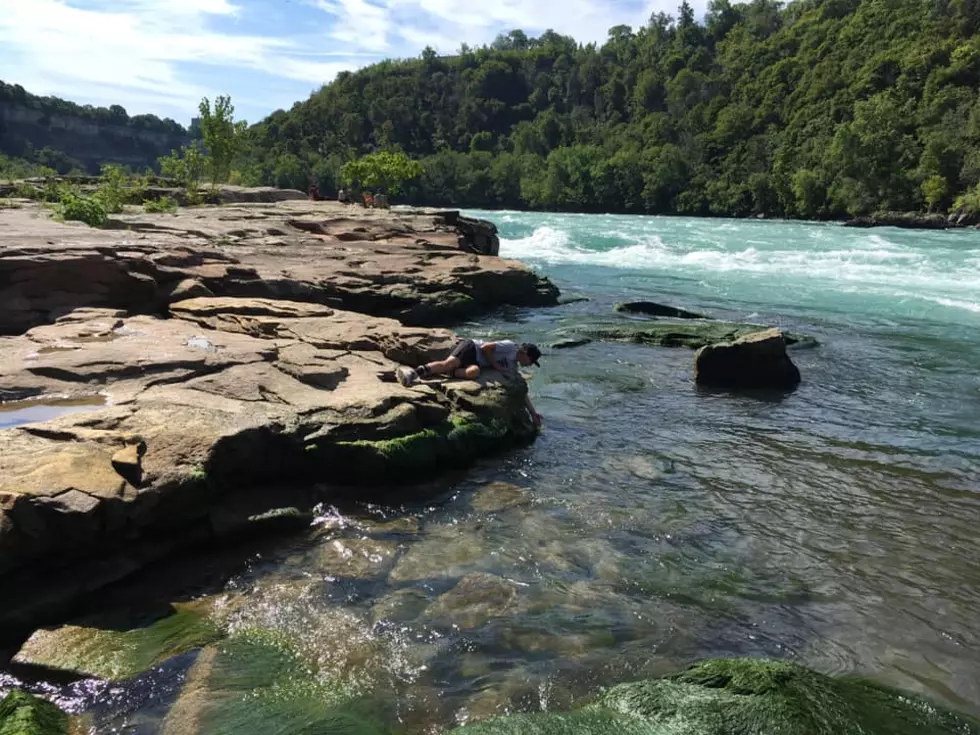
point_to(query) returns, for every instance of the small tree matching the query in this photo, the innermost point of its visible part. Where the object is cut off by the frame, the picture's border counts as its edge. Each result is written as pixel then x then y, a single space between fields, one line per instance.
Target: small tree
pixel 185 165
pixel 934 189
pixel 223 137
pixel 387 169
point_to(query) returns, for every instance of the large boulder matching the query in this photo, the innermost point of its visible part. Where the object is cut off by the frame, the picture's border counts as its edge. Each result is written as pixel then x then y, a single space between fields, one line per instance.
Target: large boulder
pixel 743 697
pixel 756 360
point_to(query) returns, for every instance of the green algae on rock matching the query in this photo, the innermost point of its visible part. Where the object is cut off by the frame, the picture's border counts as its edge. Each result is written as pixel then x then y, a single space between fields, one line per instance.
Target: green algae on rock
pixel 119 654
pixel 744 697
pixel 257 683
pixel 452 444
pixel 690 333
pixel 24 714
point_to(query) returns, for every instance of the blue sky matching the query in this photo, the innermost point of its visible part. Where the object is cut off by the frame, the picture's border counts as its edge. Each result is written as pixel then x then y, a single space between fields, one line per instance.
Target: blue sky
pixel 162 56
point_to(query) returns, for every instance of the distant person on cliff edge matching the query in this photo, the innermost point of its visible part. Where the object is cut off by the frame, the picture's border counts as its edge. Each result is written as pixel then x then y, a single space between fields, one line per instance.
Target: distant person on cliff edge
pixel 471 356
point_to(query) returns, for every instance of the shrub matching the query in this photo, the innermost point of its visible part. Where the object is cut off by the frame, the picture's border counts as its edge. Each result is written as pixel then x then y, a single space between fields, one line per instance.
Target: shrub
pixel 112 190
pixel 163 204
pixel 89 210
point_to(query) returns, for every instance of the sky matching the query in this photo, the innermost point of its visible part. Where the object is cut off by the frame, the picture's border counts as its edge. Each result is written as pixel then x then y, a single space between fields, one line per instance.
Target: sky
pixel 163 56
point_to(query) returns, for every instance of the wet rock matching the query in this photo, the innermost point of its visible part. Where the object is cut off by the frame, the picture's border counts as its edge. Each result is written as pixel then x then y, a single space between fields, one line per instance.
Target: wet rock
pixel 355 557
pixel 260 681
pixel 474 600
pixel 498 496
pixel 445 551
pixel 404 526
pixel 664 333
pixel 400 606
pixel 743 695
pixel 651 308
pixel 567 344
pixel 756 360
pixel 24 714
pixel 905 220
pixel 117 652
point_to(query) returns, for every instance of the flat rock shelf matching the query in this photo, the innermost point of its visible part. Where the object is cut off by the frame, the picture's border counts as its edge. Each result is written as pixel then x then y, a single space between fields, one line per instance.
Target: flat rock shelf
pixel 179 377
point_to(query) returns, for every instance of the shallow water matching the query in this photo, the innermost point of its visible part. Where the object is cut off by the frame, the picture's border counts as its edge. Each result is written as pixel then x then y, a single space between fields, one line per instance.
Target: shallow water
pixel 35 410
pixel 654 523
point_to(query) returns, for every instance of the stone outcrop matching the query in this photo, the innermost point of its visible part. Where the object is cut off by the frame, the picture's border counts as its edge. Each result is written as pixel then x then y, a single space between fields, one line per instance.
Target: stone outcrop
pixel 915 220
pixel 225 369
pixel 406 266
pixel 756 360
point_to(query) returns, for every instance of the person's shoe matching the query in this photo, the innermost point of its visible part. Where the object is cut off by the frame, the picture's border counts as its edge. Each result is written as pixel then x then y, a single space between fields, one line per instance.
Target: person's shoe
pixel 406 376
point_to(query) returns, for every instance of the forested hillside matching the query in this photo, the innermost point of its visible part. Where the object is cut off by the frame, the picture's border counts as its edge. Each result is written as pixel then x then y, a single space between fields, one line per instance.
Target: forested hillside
pixel 821 108
pixel 53 133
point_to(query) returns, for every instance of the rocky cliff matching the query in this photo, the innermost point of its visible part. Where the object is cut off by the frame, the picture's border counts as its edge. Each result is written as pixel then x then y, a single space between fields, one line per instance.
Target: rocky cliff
pixel 83 134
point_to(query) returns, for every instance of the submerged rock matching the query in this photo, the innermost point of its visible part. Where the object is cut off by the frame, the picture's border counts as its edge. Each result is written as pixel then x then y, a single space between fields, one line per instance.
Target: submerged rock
pixel 665 333
pixel 498 496
pixel 651 308
pixel 24 714
pixel 259 682
pixel 756 360
pixel 741 696
pixel 474 600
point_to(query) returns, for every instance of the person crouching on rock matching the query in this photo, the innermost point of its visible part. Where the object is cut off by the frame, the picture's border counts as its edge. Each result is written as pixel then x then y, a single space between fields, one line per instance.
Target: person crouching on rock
pixel 471 356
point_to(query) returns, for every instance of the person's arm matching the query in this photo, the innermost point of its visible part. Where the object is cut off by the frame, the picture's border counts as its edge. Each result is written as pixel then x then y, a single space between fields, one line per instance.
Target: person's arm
pixel 535 416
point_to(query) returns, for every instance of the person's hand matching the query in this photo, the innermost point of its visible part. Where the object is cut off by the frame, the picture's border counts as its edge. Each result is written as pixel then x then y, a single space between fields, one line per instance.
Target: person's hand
pixel 536 418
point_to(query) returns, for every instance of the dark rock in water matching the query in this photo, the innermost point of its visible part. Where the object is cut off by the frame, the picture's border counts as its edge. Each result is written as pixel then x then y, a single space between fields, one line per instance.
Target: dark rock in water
pixel 906 220
pixel 567 344
pixel 24 714
pixel 756 360
pixel 565 301
pixel 662 333
pixel 654 309
pixel 742 696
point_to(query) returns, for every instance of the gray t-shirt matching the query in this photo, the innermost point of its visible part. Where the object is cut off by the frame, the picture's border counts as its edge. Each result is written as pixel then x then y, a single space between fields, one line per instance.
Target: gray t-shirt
pixel 505 354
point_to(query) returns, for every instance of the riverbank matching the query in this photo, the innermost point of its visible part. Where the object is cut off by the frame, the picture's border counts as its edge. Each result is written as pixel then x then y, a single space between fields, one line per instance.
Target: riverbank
pixel 157 373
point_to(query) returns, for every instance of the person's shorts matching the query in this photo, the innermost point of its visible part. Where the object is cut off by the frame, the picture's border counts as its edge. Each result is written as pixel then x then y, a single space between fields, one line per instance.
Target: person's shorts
pixel 466 352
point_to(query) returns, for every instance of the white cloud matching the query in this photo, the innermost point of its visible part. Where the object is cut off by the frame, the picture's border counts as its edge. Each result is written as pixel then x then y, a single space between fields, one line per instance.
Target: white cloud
pixel 162 56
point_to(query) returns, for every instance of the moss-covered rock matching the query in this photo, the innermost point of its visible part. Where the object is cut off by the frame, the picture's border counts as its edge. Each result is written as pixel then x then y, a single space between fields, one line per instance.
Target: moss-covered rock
pixel 689 333
pixel 454 443
pixel 744 697
pixel 119 653
pixel 257 683
pixel 24 714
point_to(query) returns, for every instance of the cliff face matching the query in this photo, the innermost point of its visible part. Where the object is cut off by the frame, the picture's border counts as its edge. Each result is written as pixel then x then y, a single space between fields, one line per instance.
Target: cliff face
pixel 89 136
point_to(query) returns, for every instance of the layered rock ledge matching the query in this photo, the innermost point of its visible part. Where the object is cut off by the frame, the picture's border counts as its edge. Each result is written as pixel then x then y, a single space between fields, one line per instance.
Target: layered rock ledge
pixel 221 369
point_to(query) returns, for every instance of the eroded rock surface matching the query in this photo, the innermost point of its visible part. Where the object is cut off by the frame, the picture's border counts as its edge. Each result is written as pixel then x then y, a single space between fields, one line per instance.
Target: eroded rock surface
pixel 410 266
pixel 179 380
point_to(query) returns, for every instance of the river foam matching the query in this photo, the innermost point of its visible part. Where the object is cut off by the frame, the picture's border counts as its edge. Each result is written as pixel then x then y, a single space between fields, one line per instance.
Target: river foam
pixel 819 261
